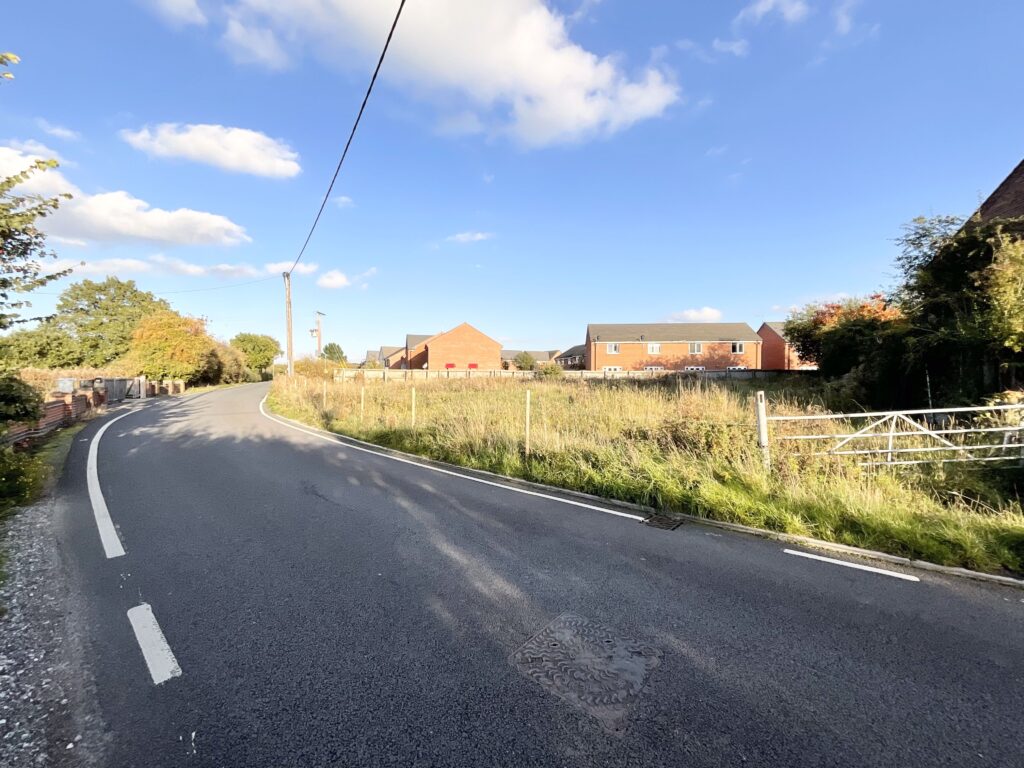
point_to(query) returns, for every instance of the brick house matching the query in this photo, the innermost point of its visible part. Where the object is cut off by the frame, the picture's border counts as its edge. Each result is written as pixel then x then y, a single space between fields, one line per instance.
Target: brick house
pixel 540 357
pixel 573 358
pixel 463 347
pixel 671 346
pixel 391 357
pixel 777 354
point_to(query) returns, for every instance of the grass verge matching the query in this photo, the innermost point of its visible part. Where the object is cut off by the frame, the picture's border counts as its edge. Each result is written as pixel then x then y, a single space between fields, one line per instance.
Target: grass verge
pixel 678 448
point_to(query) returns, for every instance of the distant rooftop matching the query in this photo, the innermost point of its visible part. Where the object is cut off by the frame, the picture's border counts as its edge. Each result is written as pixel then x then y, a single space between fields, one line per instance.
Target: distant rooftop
pixel 671 332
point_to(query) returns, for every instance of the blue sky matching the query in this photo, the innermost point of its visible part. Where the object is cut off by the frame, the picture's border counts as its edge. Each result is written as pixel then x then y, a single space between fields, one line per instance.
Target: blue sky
pixel 526 166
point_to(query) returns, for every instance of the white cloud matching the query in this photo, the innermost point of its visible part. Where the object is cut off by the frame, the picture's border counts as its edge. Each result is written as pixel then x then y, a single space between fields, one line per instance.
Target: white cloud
pixel 737 47
pixel 583 10
pixel 302 268
pixel 190 269
pixel 249 44
pixel 118 216
pixel 234 149
pixel 36 149
pixel 104 266
pixel 179 12
pixel 717 151
pixel 469 237
pixel 844 16
pixel 57 131
pixel 335 278
pixel 510 62
pixel 74 242
pixel 790 10
pixel 699 315
pixel 344 201
pixel 465 123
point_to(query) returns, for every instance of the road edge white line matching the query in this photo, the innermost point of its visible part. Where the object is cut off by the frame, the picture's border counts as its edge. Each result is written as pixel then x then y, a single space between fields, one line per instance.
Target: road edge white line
pixel 345 444
pixel 108 533
pixel 155 650
pixel 847 564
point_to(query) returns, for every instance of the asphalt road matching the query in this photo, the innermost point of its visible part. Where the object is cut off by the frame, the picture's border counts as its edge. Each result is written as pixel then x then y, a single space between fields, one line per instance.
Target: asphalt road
pixel 328 606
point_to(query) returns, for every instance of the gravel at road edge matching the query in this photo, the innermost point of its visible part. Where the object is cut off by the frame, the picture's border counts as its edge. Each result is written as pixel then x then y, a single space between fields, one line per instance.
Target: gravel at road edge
pixel 47 711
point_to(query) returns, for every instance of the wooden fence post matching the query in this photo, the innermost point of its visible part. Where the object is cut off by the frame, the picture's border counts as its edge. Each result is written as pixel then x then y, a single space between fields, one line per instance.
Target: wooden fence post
pixel 762 430
pixel 414 407
pixel 527 422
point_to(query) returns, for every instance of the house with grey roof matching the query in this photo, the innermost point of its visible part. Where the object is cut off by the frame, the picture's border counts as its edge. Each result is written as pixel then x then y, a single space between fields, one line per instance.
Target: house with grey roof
pixel 671 346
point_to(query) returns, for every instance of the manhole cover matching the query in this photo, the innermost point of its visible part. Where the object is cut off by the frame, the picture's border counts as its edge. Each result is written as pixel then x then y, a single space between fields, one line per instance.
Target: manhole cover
pixel 588 665
pixel 663 521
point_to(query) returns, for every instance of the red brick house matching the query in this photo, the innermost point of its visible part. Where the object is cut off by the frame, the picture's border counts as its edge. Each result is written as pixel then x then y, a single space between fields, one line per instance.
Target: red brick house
pixel 671 346
pixel 391 357
pixel 777 354
pixel 463 347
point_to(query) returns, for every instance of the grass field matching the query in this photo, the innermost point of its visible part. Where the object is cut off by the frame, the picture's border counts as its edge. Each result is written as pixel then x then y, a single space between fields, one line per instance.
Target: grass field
pixel 687 448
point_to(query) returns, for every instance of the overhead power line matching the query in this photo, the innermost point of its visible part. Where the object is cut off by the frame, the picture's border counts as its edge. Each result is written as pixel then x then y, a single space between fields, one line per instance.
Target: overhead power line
pixel 351 135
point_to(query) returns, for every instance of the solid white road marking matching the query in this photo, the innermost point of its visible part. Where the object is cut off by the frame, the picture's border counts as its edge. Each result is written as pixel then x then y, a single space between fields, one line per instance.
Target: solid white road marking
pixel 159 658
pixel 480 480
pixel 108 534
pixel 847 564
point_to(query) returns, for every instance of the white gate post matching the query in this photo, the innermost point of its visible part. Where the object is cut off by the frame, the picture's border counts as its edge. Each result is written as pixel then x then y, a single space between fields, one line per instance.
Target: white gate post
pixel 762 430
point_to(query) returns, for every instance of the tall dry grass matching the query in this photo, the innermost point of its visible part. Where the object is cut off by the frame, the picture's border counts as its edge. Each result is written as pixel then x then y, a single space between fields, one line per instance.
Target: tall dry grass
pixel 682 447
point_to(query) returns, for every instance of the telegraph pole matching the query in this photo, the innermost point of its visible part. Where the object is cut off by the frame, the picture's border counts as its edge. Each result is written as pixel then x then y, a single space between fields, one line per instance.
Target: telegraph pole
pixel 288 320
pixel 319 334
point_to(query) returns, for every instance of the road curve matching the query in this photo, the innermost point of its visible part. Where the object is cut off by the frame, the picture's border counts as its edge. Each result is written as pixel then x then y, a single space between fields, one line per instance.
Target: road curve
pixel 307 604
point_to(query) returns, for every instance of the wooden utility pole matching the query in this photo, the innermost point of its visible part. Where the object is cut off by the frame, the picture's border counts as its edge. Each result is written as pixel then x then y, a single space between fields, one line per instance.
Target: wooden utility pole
pixel 288 320
pixel 319 334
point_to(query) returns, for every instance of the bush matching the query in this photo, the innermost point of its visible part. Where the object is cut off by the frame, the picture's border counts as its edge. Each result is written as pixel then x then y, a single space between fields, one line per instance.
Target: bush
pixel 550 371
pixel 524 361
pixel 21 477
pixel 18 401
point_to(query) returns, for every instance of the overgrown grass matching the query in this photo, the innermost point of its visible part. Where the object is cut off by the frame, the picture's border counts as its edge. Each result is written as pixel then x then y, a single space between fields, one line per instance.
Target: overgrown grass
pixel 685 448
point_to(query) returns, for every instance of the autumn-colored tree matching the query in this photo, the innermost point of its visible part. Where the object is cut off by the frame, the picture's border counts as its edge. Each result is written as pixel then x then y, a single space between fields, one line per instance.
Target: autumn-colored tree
pixel 166 345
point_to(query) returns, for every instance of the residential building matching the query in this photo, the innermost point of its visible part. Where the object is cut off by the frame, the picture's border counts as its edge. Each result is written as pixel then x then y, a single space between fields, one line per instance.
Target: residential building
pixel 573 358
pixel 671 346
pixel 371 359
pixel 540 357
pixel 1007 200
pixel 777 354
pixel 391 357
pixel 463 347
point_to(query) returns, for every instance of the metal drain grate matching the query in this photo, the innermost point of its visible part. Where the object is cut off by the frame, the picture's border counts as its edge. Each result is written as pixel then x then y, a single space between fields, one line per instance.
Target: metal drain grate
pixel 589 666
pixel 663 521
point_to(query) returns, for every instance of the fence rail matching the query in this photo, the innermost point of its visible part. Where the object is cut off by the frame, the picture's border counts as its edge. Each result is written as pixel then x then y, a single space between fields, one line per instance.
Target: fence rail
pixel 910 437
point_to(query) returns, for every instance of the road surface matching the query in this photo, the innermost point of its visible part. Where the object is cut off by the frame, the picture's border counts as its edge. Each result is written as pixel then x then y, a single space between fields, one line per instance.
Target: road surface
pixel 285 600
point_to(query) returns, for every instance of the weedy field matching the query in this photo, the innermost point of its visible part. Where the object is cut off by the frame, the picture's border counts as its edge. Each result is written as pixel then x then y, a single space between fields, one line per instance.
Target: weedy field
pixel 684 447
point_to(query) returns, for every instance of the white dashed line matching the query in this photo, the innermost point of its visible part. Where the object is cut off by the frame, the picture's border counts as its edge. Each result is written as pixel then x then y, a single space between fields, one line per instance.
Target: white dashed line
pixel 108 534
pixel 347 444
pixel 159 658
pixel 858 566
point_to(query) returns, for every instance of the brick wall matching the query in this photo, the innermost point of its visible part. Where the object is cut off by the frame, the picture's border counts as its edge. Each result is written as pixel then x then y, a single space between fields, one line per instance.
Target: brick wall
pixel 777 354
pixel 461 348
pixel 634 356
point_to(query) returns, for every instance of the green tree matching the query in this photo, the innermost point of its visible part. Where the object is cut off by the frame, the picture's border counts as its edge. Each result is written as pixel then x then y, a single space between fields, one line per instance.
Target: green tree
pixel 259 349
pixel 334 353
pixel 166 345
pixel 524 361
pixel 100 317
pixel 45 346
pixel 22 245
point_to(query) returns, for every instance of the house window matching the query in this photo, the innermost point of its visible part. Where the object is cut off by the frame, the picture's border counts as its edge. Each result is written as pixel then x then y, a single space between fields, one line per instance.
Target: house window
pixel 654 349
pixel 654 367
pixel 696 348
pixel 694 368
pixel 613 367
pixel 613 349
pixel 737 347
pixel 736 368
pixel 473 366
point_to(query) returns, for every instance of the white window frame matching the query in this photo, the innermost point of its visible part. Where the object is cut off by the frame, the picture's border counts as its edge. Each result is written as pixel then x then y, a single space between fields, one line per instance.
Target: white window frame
pixel 654 367
pixel 737 368
pixel 696 348
pixel 612 348
pixel 653 348
pixel 739 347
pixel 694 368
pixel 612 368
